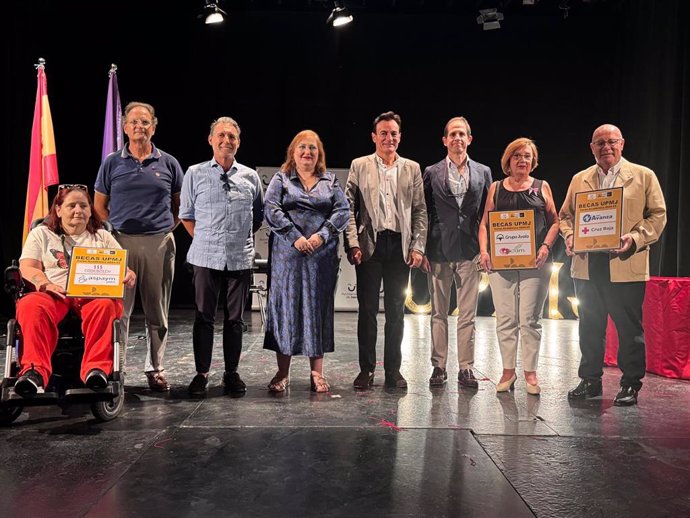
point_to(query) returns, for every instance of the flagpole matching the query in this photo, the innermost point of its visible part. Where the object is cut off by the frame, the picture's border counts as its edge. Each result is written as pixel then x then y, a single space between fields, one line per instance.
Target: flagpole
pixel 42 160
pixel 112 128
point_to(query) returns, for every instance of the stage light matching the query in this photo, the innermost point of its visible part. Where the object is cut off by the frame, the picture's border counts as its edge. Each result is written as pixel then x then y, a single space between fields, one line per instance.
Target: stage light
pixel 483 281
pixel 490 19
pixel 553 292
pixel 340 15
pixel 213 13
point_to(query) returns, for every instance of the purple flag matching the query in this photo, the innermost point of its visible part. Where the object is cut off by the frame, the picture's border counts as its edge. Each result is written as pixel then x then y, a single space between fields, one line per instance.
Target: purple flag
pixel 112 131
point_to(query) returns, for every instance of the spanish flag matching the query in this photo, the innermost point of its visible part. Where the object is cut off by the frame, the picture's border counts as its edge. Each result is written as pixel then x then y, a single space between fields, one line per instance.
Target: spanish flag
pixel 43 162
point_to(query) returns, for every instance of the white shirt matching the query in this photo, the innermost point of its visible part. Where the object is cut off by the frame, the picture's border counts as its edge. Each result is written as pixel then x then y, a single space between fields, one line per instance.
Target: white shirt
pixel 387 215
pixel 54 251
pixel 458 180
pixel 609 180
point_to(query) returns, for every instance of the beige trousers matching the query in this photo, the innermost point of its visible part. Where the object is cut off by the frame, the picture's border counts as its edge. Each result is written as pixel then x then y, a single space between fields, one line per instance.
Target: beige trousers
pixel 440 281
pixel 152 257
pixel 519 297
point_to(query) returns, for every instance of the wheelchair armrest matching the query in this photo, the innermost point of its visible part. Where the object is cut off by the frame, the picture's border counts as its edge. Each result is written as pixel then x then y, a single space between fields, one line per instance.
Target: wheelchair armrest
pixel 14 284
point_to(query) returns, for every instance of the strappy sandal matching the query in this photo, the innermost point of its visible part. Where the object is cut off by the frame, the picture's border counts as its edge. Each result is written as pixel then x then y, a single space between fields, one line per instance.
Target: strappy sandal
pixel 278 383
pixel 319 383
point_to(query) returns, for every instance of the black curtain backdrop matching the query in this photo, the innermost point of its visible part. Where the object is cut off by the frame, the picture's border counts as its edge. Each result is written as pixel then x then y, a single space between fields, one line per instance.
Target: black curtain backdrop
pixel 277 69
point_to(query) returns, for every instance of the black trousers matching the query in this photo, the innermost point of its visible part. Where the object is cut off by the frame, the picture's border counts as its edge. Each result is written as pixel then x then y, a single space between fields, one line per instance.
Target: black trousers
pixel 599 298
pixel 388 264
pixel 208 284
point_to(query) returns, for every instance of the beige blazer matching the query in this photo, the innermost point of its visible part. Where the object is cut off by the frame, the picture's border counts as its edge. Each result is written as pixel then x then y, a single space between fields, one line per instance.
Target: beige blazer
pixel 644 217
pixel 362 190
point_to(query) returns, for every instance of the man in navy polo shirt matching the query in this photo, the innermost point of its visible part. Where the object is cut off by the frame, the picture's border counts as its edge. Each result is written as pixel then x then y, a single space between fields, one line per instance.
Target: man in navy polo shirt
pixel 221 207
pixel 138 191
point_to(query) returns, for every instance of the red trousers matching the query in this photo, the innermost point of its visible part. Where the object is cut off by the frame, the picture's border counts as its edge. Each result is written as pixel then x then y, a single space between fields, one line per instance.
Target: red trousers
pixel 39 314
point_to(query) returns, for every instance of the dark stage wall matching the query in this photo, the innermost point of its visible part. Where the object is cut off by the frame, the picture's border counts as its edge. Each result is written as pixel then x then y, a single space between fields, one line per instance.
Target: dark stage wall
pixel 278 71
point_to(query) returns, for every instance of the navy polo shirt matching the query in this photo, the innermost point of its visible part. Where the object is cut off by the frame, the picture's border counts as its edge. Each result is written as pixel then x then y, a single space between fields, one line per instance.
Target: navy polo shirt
pixel 140 192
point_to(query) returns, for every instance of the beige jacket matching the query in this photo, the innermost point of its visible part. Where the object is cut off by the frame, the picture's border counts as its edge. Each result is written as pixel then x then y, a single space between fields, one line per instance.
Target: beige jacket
pixel 644 217
pixel 362 190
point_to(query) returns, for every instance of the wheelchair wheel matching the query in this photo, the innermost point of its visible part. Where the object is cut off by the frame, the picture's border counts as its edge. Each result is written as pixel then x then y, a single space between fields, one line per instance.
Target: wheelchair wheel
pixel 108 410
pixel 8 414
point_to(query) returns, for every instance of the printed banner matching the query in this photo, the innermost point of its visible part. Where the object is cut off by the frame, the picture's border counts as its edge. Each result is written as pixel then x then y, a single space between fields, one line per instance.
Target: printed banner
pixel 512 239
pixel 97 273
pixel 598 216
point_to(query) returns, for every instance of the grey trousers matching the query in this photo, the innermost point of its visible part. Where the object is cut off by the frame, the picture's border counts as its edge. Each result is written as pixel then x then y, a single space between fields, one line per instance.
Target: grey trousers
pixel 519 297
pixel 152 258
pixel 440 280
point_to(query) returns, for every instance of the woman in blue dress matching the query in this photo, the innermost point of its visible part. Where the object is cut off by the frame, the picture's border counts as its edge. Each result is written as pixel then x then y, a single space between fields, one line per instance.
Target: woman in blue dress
pixel 306 209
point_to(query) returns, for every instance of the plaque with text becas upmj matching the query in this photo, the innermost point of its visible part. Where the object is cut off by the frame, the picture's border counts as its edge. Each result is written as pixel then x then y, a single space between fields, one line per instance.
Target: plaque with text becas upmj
pixel 97 273
pixel 512 239
pixel 598 216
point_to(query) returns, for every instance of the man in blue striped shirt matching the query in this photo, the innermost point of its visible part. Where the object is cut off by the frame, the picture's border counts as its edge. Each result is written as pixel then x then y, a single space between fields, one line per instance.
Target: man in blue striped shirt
pixel 221 207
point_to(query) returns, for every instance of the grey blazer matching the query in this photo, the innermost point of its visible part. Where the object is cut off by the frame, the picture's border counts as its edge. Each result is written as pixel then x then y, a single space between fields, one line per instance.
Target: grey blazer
pixel 362 191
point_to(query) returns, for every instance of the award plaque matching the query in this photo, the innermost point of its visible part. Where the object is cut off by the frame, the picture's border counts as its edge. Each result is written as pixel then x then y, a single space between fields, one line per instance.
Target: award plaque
pixel 598 216
pixel 97 273
pixel 512 239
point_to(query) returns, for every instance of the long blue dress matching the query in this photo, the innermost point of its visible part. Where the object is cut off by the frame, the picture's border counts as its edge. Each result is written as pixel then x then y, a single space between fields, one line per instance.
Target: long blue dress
pixel 302 287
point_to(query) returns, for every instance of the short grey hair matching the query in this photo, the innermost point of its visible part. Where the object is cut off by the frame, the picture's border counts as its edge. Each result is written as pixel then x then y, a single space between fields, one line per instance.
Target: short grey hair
pixel 225 120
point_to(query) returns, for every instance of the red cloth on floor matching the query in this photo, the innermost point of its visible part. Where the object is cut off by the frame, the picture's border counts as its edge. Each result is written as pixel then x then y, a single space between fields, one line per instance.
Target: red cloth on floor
pixel 666 322
pixel 39 314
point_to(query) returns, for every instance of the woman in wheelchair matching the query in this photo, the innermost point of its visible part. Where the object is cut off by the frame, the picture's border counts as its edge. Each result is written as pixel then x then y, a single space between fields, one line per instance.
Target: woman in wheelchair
pixel 44 263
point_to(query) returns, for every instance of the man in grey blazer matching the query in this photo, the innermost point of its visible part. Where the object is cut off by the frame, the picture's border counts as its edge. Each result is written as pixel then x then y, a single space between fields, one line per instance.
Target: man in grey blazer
pixel 455 189
pixel 384 238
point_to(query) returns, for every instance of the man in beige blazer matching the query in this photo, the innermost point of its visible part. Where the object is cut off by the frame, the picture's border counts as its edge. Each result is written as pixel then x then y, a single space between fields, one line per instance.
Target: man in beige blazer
pixel 613 283
pixel 385 237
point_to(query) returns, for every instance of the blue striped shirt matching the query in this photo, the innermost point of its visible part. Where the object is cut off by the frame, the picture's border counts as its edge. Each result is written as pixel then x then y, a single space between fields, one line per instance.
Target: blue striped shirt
pixel 225 217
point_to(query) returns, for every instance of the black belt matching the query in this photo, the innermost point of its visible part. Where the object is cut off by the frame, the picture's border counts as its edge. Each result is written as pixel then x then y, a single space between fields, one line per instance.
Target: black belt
pixel 387 233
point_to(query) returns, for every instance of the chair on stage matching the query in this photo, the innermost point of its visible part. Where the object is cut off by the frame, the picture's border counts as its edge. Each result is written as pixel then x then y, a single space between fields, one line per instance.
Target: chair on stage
pixel 260 266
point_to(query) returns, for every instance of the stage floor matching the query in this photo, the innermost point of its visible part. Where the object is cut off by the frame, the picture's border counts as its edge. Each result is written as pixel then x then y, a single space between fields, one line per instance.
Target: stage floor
pixel 441 452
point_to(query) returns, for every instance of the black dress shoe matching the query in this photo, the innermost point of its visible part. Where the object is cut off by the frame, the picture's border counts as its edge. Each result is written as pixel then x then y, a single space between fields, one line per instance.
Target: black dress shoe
pixel 395 380
pixel 627 396
pixel 438 377
pixel 96 379
pixel 466 379
pixel 198 385
pixel 363 380
pixel 586 389
pixel 233 384
pixel 29 384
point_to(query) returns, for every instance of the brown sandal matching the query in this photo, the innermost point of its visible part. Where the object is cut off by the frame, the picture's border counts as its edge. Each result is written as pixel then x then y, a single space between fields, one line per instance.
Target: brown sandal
pixel 278 383
pixel 319 383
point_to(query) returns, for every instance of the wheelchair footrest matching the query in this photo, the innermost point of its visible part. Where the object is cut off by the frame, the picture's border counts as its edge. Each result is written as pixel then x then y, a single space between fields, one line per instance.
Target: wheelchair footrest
pixel 10 398
pixel 85 395
pixel 76 395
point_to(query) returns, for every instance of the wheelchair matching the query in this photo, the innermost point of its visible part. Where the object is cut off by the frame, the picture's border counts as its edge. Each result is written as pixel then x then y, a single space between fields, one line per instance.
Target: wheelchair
pixel 65 386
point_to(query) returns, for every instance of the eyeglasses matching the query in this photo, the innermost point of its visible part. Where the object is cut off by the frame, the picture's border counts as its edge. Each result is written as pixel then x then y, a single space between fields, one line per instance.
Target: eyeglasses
pixel 79 186
pixel 144 123
pixel 611 142
pixel 518 156
pixel 226 183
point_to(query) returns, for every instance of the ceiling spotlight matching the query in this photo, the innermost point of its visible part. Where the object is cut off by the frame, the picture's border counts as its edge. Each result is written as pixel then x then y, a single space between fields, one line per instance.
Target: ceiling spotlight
pixel 340 15
pixel 213 13
pixel 490 19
